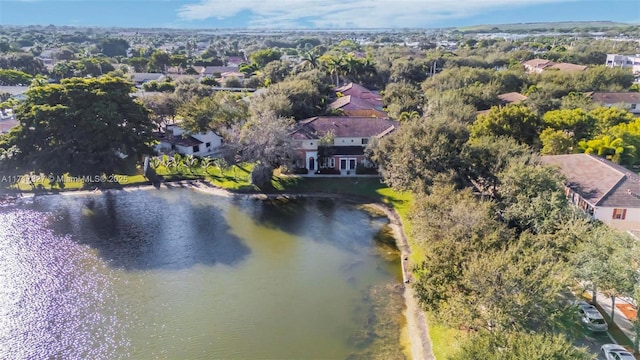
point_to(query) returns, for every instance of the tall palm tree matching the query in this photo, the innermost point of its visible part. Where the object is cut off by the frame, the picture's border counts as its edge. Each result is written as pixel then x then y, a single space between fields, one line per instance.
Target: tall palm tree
pixel 409 115
pixel 369 66
pixel 309 60
pixel 335 66
pixel 352 67
pixel 611 148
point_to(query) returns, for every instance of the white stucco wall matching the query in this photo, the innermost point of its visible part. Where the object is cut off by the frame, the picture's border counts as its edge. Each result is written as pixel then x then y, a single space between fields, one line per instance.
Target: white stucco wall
pixel 184 150
pixel 309 144
pixel 605 214
pixel 210 137
pixel 348 141
pixel 309 155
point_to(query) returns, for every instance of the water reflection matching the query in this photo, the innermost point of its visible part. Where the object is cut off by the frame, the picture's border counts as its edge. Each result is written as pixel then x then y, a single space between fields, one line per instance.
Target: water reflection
pixel 132 233
pixel 183 275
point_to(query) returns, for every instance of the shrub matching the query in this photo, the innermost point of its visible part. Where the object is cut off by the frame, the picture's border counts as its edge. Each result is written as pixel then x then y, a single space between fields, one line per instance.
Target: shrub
pixel 362 170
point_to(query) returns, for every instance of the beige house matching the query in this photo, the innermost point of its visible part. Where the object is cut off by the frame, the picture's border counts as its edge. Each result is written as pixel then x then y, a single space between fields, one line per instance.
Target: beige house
pixel 604 190
pixel 628 100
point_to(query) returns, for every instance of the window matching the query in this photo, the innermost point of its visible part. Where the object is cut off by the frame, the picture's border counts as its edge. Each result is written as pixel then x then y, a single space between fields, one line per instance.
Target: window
pixel 634 106
pixel 208 144
pixel 331 163
pixel 196 148
pixel 619 214
pixel 365 141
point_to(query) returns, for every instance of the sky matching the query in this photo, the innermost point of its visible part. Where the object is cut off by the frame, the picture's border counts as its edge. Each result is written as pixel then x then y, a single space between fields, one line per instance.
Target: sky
pixel 212 14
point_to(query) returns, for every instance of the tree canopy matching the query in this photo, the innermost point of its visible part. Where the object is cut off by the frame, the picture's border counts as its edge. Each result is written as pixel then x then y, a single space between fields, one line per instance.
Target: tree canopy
pixel 81 126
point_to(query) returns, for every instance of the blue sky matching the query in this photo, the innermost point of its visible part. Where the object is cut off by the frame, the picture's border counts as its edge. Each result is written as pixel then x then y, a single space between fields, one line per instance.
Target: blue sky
pixel 310 13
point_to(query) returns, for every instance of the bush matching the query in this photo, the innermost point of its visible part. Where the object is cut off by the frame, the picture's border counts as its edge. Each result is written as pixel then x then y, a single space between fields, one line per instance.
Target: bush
pixel 300 171
pixel 362 170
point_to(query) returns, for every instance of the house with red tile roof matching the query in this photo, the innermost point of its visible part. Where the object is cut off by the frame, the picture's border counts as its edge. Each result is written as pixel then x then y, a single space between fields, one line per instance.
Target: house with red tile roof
pixel 354 106
pixel 360 92
pixel 7 124
pixel 512 98
pixel 604 190
pixel 537 66
pixel 351 136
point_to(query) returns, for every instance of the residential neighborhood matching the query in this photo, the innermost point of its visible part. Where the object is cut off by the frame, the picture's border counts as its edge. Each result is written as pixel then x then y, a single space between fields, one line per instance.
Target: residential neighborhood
pixel 351 193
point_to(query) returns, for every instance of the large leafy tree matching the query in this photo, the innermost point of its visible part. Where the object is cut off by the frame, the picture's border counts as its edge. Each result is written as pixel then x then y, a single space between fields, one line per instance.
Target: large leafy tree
pixel 515 121
pixel 82 126
pixel 520 345
pixel 605 261
pixel 577 122
pixel 607 117
pixel 556 142
pixel 14 77
pixel 265 56
pixel 217 112
pixel 414 156
pixel 400 97
pixel 114 47
pixel 24 62
pixel 159 61
pixel 265 140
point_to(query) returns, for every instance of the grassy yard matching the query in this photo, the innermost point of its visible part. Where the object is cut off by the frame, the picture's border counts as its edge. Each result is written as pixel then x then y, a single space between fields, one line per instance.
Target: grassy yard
pixel 34 182
pixel 235 178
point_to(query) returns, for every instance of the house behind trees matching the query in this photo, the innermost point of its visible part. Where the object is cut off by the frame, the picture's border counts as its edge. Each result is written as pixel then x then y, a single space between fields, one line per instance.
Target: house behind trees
pixel 604 190
pixel 346 153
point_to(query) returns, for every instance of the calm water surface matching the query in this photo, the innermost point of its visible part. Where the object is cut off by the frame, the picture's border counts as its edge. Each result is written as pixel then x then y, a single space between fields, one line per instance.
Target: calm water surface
pixel 178 274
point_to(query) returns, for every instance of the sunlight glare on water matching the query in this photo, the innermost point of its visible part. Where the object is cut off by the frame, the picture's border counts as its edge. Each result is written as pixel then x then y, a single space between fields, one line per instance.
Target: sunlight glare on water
pixel 177 274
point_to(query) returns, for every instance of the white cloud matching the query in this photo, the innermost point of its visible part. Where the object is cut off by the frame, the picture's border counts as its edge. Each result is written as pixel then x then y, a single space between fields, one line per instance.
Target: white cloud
pixel 347 13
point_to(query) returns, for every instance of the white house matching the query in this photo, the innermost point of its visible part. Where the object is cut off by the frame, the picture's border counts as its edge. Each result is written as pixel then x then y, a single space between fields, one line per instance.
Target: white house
pixel 616 60
pixel 351 136
pixel 604 190
pixel 176 139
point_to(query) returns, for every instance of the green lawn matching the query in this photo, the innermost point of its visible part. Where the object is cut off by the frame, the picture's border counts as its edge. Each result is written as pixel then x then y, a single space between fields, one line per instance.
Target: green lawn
pixel 235 178
pixel 445 341
pixel 42 183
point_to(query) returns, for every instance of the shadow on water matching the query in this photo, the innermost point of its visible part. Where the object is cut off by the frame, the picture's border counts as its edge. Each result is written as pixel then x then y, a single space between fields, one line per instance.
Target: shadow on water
pixel 140 231
pixel 323 220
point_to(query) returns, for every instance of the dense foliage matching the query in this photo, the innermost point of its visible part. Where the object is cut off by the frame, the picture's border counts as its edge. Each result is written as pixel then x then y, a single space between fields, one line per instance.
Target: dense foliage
pixel 81 126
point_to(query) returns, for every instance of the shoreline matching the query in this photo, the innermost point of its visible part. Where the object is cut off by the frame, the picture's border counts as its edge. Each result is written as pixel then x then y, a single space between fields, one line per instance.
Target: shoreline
pixel 417 328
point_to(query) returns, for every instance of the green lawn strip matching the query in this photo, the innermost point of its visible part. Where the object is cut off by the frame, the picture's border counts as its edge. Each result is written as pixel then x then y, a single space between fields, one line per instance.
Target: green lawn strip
pixel 445 341
pixel 42 183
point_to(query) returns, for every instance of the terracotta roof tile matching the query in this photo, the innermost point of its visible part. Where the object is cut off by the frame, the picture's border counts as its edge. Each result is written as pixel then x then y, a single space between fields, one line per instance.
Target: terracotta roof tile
pixel 512 98
pixel 6 125
pixel 567 67
pixel 616 97
pixel 361 92
pixel 344 126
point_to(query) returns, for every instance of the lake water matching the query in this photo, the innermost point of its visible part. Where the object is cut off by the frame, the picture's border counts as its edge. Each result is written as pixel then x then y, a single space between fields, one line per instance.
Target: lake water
pixel 179 274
